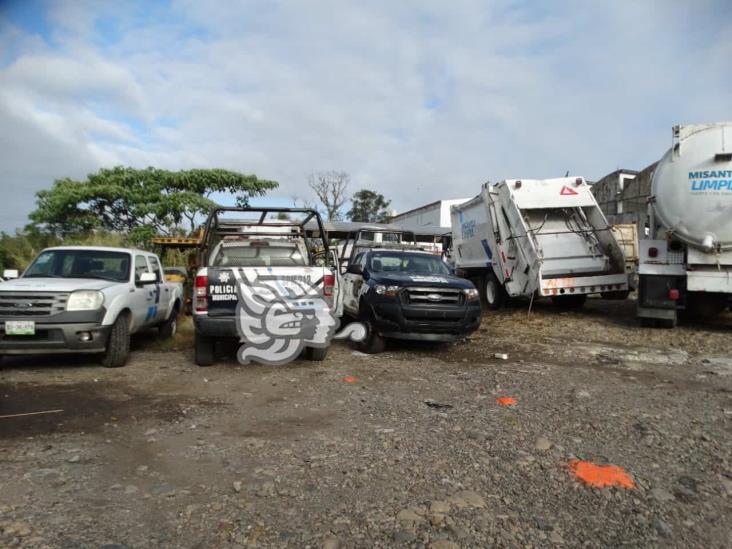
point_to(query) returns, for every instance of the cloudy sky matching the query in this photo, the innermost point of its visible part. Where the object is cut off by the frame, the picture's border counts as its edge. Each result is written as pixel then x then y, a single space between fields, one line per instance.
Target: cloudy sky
pixel 419 100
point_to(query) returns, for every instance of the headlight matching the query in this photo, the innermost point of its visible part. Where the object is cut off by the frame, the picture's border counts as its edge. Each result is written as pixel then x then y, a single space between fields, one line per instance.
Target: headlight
pixel 471 294
pixel 386 290
pixel 84 300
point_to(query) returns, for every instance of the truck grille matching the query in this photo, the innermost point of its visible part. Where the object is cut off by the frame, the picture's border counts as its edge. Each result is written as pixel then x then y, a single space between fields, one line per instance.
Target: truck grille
pixel 434 296
pixel 32 303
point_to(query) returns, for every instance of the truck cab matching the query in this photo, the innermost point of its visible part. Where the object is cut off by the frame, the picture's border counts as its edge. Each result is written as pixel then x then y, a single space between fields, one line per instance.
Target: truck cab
pixel 406 293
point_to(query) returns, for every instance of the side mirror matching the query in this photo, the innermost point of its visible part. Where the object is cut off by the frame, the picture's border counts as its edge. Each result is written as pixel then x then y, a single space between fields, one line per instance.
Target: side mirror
pixel 147 278
pixel 9 274
pixel 355 269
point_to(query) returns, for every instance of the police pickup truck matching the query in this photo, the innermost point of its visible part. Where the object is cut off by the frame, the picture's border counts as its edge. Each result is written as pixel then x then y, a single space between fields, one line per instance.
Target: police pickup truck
pixel 82 299
pixel 408 294
pixel 267 244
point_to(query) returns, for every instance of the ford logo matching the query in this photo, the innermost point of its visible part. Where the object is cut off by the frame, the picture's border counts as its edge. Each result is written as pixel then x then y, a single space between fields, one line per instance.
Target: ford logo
pixel 434 297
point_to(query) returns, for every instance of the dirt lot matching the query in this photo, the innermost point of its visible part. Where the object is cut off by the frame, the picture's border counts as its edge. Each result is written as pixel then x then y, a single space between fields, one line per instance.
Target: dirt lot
pixel 163 453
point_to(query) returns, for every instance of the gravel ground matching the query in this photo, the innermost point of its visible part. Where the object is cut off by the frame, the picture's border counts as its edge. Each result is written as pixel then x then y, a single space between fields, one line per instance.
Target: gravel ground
pixel 414 452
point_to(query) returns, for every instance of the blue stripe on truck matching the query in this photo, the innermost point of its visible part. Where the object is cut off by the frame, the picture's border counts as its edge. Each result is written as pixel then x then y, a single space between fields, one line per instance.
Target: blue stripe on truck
pixel 487 248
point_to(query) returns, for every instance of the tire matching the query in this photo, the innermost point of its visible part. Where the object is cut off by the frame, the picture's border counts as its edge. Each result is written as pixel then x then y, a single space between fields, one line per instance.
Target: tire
pixel 569 301
pixel 205 348
pixel 494 294
pixel 168 329
pixel 703 305
pixel 620 295
pixel 316 354
pixel 118 343
pixel 373 343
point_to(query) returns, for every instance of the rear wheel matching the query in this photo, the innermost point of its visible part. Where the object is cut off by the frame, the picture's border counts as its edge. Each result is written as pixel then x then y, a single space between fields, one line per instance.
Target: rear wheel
pixel 494 294
pixel 168 328
pixel 118 343
pixel 569 301
pixel 703 305
pixel 316 354
pixel 619 295
pixel 205 350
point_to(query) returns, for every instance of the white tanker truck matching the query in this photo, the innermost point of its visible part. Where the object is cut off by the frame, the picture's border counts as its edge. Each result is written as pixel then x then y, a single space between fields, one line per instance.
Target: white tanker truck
pixel 685 261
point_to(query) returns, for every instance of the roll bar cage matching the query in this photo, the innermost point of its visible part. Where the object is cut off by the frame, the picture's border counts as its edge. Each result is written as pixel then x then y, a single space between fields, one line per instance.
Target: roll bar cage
pixel 214 226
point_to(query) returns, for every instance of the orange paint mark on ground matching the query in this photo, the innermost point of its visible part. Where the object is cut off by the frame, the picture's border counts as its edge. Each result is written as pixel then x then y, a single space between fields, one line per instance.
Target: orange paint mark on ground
pixel 507 401
pixel 600 476
pixel 350 379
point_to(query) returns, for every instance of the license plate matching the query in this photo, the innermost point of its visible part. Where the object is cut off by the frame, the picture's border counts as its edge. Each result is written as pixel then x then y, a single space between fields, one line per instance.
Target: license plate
pixel 20 327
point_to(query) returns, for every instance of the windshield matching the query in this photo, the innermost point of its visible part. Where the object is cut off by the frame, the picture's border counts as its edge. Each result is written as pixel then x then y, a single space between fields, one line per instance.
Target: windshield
pixel 100 264
pixel 401 262
pixel 260 254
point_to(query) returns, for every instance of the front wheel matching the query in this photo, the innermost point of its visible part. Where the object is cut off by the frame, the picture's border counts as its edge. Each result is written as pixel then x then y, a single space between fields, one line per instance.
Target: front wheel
pixel 205 348
pixel 494 293
pixel 118 344
pixel 373 343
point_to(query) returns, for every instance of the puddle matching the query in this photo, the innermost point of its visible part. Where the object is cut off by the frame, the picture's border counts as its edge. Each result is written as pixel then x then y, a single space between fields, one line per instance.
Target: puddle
pixel 85 407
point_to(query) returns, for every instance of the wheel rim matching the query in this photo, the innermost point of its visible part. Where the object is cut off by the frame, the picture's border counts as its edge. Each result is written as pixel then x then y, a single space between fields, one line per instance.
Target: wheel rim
pixel 174 327
pixel 490 291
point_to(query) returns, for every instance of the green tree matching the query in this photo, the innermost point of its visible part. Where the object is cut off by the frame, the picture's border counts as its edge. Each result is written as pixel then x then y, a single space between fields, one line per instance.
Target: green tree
pixel 140 203
pixel 370 207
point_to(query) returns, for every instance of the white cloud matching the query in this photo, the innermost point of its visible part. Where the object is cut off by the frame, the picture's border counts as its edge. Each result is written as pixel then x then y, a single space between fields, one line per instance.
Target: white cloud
pixel 419 100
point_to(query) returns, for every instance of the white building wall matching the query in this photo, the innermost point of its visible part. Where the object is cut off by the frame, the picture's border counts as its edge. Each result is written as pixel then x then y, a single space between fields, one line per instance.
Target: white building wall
pixel 436 215
pixel 445 210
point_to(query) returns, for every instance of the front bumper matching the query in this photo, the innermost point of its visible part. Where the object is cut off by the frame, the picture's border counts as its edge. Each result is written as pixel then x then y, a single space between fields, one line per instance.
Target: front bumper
pixel 53 338
pixel 57 335
pixel 423 322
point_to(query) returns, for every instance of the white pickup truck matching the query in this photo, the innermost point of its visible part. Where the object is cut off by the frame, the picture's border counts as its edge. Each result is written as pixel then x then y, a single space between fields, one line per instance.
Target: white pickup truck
pixel 82 299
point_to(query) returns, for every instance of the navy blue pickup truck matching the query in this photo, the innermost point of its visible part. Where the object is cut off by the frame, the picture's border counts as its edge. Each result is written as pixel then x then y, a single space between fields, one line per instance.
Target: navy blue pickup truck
pixel 408 294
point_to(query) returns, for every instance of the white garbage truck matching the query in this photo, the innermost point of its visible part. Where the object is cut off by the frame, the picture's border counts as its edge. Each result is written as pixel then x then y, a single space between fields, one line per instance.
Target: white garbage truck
pixel 535 237
pixel 686 260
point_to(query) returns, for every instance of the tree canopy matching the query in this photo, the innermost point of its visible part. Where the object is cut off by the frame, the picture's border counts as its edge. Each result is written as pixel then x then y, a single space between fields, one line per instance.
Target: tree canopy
pixel 370 207
pixel 140 202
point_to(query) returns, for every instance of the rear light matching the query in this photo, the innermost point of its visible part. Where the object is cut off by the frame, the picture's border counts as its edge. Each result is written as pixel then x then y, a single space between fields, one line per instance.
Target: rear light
pixel 518 184
pixel 653 252
pixel 673 294
pixel 328 284
pixel 200 294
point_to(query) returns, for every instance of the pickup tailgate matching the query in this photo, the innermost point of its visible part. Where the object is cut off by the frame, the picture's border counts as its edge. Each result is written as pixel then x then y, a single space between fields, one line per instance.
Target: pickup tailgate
pixel 222 296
